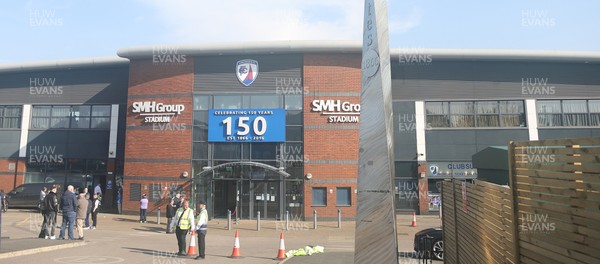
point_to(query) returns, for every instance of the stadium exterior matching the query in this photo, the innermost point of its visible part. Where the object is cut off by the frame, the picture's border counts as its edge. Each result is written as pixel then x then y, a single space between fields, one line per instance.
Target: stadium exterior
pixel 273 126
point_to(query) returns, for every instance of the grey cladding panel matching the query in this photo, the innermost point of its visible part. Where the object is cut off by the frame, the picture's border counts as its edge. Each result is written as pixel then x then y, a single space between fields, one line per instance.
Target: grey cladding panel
pixel 81 86
pixel 71 144
pixel 462 144
pixel 9 143
pixel 405 142
pixel 218 73
pixel 445 80
pixel 554 133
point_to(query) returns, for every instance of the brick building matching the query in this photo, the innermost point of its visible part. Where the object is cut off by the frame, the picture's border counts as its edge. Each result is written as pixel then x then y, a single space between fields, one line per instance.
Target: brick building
pixel 273 127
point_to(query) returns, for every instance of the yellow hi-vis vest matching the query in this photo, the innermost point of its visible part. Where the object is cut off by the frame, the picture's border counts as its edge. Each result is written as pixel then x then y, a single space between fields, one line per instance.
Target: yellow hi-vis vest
pixel 184 223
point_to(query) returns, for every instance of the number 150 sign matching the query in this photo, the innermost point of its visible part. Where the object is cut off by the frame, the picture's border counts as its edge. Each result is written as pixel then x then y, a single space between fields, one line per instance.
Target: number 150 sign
pixel 246 125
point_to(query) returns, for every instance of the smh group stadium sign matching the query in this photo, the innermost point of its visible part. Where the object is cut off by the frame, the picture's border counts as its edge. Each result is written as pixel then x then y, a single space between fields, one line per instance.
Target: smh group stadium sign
pixel 337 111
pixel 154 112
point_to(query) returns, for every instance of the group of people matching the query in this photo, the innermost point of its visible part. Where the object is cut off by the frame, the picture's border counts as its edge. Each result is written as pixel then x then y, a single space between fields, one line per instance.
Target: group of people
pixel 181 220
pixel 76 207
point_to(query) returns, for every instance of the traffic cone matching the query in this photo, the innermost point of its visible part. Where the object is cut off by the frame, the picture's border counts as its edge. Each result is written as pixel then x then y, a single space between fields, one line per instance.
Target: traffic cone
pixel 192 247
pixel 236 246
pixel 281 253
pixel 414 221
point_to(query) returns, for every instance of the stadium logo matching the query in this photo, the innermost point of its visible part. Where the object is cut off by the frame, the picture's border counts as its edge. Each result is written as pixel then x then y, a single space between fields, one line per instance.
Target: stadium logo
pixel 246 71
pixel 434 169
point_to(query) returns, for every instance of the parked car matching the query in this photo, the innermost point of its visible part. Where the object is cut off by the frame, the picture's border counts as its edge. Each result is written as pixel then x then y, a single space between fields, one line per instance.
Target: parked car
pixel 437 242
pixel 28 195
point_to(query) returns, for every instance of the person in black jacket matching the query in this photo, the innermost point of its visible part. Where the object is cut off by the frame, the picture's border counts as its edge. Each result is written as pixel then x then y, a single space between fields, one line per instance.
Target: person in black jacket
pixel 68 205
pixel 170 215
pixel 50 212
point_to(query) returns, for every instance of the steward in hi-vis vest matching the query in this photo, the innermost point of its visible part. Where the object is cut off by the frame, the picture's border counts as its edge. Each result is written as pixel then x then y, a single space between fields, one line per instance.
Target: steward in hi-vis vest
pixel 201 228
pixel 184 218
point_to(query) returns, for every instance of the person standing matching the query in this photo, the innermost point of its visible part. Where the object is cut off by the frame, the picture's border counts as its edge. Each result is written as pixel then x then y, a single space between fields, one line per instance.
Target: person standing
pixel 68 205
pixel 51 206
pixel 177 201
pixel 184 224
pixel 82 207
pixel 170 215
pixel 43 192
pixel 201 228
pixel 88 212
pixel 143 208
pixel 95 210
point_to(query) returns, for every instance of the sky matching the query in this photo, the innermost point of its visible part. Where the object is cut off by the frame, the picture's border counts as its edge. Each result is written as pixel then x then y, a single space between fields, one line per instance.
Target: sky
pixel 48 30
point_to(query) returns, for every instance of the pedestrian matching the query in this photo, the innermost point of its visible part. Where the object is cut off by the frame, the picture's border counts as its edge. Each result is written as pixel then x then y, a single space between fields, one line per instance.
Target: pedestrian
pixel 82 208
pixel 95 210
pixel 43 192
pixel 89 211
pixel 177 201
pixel 143 208
pixel 170 215
pixel 51 206
pixel 68 205
pixel 201 228
pixel 41 207
pixel 98 190
pixel 184 224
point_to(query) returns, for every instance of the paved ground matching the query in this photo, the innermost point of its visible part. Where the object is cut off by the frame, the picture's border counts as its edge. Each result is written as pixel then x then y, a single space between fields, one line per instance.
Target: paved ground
pixel 122 239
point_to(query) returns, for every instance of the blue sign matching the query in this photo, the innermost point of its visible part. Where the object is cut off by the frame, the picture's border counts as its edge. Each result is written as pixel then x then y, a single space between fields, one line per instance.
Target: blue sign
pixel 246 125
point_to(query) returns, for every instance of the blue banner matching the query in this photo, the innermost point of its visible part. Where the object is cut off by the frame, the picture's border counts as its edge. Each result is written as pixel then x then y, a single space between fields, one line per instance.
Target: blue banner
pixel 246 125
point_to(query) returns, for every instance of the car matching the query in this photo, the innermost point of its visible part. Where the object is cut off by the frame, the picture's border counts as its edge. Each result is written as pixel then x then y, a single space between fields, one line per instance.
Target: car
pixel 28 195
pixel 436 239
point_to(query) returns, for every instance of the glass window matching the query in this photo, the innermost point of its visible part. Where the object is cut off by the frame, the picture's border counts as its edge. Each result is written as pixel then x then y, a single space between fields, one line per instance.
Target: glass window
pixel 437 114
pixel 293 118
pixel 101 110
pixel 228 102
pixel 200 150
pixel 293 133
pixel 552 113
pixel 512 113
pixel 264 151
pixel 461 114
pixel 227 151
pixel 343 197
pixel 200 118
pixel 200 133
pixel 135 192
pixel 487 114
pixel 264 101
pixel 319 196
pixel 293 102
pixel 201 102
pixel 77 116
pixel 155 192
pixel 10 116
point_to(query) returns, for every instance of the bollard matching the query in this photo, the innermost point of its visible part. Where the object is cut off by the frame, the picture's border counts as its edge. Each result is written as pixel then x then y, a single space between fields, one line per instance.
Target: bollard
pixel 287 220
pixel 339 218
pixel 315 219
pixel 158 216
pixel 228 219
pixel 258 221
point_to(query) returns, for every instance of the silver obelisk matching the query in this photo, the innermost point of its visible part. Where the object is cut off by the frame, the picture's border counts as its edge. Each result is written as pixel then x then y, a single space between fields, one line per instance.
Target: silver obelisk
pixel 376 240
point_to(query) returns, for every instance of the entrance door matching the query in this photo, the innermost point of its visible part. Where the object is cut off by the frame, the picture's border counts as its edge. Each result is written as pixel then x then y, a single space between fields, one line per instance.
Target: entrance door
pixel 230 195
pixel 267 199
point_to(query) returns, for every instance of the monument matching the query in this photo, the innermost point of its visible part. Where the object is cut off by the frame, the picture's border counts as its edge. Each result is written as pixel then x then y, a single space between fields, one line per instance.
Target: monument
pixel 376 239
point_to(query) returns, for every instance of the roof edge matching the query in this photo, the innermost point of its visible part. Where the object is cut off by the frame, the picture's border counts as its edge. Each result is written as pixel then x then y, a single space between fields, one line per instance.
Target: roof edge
pixel 63 64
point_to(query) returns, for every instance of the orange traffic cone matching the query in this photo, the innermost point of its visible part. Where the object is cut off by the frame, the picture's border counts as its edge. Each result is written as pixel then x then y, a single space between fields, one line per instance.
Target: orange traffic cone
pixel 192 247
pixel 236 246
pixel 281 252
pixel 414 221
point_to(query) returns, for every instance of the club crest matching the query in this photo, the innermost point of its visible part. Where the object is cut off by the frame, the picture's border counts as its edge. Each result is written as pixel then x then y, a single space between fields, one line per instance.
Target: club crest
pixel 246 71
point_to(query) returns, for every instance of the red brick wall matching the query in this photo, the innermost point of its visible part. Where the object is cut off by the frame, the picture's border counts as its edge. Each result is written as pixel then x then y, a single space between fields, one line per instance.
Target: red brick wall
pixel 328 74
pixel 7 177
pixel 158 143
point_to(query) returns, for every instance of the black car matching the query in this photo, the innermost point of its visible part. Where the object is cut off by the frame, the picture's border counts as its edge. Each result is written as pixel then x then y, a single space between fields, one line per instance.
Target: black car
pixel 436 243
pixel 28 195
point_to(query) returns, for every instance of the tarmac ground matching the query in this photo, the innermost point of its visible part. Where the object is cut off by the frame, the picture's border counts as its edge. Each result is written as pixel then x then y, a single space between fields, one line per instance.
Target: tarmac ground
pixel 122 239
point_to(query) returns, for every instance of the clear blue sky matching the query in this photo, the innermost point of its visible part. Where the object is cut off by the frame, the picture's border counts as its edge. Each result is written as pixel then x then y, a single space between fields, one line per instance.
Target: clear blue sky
pixel 53 30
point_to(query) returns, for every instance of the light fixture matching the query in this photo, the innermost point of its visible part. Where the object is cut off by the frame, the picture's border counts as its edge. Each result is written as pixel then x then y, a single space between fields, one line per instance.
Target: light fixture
pixel 184 174
pixel 308 176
